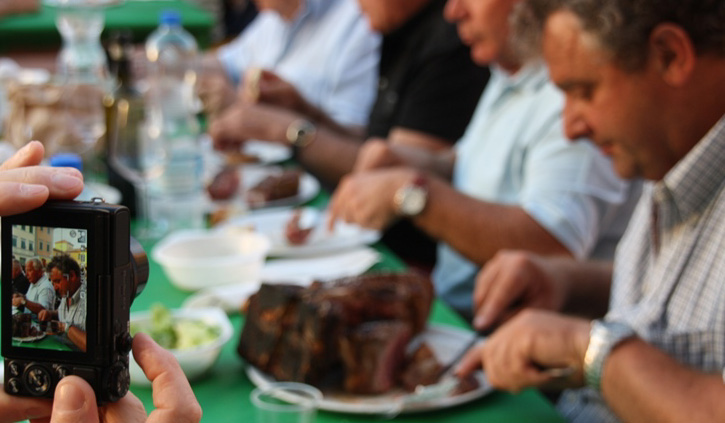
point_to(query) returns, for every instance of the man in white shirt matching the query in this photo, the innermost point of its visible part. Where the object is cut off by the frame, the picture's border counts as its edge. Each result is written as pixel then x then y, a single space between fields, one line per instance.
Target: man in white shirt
pixel 324 48
pixel 40 295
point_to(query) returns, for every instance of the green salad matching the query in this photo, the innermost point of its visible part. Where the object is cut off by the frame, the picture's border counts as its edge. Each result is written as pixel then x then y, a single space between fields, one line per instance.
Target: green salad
pixel 176 333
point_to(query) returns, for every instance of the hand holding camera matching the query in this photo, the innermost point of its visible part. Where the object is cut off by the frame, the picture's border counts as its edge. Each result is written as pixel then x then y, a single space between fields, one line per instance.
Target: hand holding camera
pixel 25 186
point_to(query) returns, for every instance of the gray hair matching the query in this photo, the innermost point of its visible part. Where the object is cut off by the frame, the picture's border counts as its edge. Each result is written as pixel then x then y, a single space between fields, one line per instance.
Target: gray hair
pixel 623 27
pixel 37 264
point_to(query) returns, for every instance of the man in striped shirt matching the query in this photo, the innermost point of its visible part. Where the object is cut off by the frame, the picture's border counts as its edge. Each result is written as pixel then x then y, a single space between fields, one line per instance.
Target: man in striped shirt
pixel 644 80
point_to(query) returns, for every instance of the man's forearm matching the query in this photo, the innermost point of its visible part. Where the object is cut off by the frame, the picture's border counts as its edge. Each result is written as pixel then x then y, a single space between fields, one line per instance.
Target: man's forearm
pixel 479 229
pixel 643 384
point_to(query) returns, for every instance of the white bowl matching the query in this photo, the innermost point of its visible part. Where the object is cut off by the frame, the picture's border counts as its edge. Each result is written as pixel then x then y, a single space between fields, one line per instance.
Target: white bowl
pixel 194 361
pixel 195 259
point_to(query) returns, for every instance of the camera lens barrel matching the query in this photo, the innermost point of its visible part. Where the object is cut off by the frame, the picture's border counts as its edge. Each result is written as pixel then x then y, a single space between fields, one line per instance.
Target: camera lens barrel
pixel 139 267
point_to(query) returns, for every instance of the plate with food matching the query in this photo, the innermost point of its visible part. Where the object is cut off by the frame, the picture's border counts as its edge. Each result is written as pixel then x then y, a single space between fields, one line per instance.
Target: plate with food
pixel 257 187
pixel 303 232
pixel 445 342
pixel 30 338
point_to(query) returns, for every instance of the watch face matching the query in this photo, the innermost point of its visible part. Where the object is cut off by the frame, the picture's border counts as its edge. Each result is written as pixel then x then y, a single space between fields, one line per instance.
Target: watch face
pixel 413 200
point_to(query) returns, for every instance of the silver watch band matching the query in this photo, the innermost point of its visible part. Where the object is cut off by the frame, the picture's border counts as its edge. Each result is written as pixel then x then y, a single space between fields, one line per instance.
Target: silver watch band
pixel 603 337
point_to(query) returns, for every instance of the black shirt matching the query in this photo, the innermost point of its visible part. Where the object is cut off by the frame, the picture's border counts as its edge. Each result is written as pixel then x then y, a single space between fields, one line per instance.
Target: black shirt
pixel 428 81
pixel 21 284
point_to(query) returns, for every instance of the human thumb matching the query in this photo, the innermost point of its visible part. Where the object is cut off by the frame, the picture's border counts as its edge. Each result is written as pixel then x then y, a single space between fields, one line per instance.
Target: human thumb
pixel 74 402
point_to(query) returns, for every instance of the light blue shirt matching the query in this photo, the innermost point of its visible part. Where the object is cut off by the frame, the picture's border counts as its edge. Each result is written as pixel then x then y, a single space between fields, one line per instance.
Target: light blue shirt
pixel 41 292
pixel 514 152
pixel 328 52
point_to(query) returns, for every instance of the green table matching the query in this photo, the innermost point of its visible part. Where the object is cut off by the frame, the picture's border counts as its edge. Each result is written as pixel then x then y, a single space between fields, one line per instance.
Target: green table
pixel 224 392
pixel 37 31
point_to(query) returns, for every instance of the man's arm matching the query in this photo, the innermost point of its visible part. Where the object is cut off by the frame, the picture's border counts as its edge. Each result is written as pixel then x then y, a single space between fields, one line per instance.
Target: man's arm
pixel 461 226
pixel 642 383
pixel 77 336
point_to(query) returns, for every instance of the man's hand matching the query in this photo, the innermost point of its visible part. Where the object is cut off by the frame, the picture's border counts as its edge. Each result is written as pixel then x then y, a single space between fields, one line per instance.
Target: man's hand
pixel 244 121
pixel 511 281
pixel 18 299
pixel 173 398
pixel 25 186
pixel 517 355
pixel 264 86
pixel 366 198
pixel 376 153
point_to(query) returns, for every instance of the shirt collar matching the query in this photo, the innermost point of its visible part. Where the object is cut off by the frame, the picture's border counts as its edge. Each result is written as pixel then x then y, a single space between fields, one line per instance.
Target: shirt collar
pixel 695 180
pixel 530 78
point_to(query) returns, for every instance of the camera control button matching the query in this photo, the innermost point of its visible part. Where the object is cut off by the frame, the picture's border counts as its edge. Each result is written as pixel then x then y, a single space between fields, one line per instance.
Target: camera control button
pixel 14 369
pixel 124 343
pixel 37 379
pixel 14 386
pixel 61 372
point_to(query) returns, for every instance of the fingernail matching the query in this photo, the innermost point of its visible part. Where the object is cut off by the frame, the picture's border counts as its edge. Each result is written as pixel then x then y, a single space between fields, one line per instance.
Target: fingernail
pixel 480 321
pixel 64 182
pixel 70 398
pixel 32 190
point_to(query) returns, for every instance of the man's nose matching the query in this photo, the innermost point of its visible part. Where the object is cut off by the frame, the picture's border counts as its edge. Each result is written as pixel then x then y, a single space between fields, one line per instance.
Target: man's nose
pixel 452 10
pixel 575 126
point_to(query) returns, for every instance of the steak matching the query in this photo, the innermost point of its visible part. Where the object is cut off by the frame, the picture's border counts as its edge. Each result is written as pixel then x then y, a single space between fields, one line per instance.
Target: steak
pixel 350 333
pixel 274 187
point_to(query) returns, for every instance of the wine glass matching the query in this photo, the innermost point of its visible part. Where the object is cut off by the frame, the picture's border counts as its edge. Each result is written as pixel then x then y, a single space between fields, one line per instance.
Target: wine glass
pixel 140 155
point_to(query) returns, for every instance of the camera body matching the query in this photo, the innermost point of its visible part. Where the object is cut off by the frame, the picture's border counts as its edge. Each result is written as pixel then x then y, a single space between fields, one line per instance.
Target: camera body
pixel 83 329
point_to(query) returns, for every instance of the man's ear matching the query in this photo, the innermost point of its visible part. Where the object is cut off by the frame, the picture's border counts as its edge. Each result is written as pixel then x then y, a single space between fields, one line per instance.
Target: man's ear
pixel 672 53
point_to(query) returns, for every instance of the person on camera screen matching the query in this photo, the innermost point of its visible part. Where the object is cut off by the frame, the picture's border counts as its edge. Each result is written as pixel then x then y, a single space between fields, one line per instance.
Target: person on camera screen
pixel 40 294
pixel 65 274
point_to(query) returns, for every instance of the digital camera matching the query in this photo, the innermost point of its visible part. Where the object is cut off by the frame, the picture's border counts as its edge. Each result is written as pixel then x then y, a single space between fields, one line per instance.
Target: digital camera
pixel 70 271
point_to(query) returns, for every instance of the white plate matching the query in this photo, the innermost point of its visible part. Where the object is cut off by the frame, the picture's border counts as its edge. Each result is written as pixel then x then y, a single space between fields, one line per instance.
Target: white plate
pixel 267 152
pixel 29 338
pixel 321 241
pixel 252 175
pixel 446 343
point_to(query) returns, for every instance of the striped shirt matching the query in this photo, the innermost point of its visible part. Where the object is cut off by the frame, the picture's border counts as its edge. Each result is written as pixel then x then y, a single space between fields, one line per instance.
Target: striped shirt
pixel 669 273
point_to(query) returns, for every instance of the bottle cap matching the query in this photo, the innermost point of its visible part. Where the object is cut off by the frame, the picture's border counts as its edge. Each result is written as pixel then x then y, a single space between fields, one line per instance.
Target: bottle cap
pixel 170 17
pixel 67 160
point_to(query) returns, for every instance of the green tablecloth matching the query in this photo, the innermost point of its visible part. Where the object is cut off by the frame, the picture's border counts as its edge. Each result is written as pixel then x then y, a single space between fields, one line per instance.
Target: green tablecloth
pixel 224 392
pixel 37 31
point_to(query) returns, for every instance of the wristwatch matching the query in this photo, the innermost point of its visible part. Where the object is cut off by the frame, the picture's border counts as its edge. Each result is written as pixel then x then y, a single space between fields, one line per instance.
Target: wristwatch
pixel 603 338
pixel 410 199
pixel 300 133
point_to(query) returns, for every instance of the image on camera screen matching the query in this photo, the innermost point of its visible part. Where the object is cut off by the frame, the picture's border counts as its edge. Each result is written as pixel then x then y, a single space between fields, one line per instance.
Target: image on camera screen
pixel 49 277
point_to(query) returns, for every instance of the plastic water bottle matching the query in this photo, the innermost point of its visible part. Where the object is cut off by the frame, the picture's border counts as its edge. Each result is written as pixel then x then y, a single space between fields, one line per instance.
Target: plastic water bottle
pixel 171 119
pixel 90 189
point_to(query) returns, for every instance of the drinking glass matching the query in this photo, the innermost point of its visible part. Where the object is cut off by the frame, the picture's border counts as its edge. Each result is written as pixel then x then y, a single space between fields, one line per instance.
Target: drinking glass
pixel 286 402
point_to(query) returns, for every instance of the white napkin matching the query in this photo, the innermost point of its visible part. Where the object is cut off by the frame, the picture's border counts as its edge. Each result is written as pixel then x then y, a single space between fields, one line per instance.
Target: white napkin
pixel 300 271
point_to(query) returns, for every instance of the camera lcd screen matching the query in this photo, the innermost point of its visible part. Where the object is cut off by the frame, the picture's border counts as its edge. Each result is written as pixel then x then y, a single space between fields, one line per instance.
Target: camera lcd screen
pixel 49 306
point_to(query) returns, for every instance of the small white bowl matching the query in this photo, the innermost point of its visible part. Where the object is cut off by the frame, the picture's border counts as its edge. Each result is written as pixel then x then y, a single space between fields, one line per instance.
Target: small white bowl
pixel 195 259
pixel 193 361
